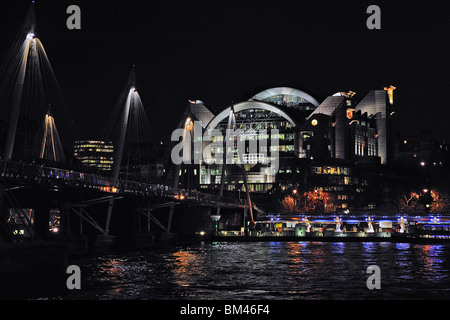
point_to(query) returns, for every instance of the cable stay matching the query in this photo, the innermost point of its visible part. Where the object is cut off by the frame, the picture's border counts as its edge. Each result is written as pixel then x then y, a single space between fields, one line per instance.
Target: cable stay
pixel 51 148
pixel 232 125
pixel 128 128
pixel 28 85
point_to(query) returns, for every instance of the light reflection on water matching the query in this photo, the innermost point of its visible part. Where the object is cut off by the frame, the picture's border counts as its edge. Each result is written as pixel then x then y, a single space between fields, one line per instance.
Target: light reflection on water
pixel 269 270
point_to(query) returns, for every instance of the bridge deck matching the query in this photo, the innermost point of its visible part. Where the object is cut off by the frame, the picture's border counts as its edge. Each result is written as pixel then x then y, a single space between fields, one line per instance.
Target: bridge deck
pixel 24 174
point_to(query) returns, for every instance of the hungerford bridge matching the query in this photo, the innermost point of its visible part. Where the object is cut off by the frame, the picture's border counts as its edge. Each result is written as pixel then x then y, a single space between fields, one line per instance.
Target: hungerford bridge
pixel 32 187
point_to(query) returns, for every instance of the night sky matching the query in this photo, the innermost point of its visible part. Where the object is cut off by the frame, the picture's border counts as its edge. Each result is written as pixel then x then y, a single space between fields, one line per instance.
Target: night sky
pixel 220 51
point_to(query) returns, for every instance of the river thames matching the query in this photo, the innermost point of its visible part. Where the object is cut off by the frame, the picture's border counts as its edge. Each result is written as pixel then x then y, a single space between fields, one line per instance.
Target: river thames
pixel 267 271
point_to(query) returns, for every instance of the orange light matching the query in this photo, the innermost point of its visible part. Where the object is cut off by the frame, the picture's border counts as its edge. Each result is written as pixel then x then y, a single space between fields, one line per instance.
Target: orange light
pixel 188 124
pixel 314 122
pixel 349 113
pixel 294 191
pixel 390 92
pixel 181 197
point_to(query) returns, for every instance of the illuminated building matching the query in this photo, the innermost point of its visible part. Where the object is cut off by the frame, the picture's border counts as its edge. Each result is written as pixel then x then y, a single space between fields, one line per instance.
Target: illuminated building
pixel 376 105
pixel 347 131
pixel 346 142
pixel 94 154
pixel 283 109
pixel 333 146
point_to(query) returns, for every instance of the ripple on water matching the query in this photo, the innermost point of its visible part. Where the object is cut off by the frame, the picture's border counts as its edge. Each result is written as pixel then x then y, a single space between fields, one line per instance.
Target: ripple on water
pixel 269 270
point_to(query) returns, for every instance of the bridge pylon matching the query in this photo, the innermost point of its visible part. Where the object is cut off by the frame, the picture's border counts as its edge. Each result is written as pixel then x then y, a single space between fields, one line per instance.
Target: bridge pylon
pixel 51 148
pixel 131 93
pixel 28 85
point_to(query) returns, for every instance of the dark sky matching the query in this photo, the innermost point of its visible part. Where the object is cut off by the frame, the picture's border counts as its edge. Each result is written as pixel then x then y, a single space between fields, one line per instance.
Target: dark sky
pixel 220 51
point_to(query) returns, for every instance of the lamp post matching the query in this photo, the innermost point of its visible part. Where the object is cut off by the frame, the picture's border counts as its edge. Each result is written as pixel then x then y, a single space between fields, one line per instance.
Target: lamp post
pixel 216 219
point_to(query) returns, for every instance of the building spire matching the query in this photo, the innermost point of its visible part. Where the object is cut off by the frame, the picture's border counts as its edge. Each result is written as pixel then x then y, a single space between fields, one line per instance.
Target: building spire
pixel 29 23
pixel 132 77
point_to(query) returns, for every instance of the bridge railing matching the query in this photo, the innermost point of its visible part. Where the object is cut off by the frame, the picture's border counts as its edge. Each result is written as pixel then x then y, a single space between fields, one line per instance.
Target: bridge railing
pixel 39 174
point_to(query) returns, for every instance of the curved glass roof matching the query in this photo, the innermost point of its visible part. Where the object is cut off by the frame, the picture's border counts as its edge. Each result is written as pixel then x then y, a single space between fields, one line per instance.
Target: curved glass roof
pixel 249 105
pixel 288 97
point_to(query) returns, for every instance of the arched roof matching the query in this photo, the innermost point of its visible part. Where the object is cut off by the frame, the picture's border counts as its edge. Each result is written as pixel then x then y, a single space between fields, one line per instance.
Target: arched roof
pixel 263 95
pixel 246 105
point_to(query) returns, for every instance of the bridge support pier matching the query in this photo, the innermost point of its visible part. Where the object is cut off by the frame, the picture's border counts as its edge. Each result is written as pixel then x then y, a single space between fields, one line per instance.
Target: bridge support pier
pixel 166 235
pixel 108 217
pixel 103 241
pixel 169 222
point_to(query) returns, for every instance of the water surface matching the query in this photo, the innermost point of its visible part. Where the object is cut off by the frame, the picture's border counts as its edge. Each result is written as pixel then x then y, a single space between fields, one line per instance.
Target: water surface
pixel 268 270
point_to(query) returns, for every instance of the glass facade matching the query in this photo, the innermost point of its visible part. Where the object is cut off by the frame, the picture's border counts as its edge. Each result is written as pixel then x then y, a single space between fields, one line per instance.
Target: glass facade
pixel 291 101
pixel 252 125
pixel 95 154
pixel 320 146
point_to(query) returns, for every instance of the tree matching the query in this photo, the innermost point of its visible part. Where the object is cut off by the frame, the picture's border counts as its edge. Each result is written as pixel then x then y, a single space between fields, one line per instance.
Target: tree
pixel 440 202
pixel 308 201
pixel 319 201
pixel 409 202
pixel 288 204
